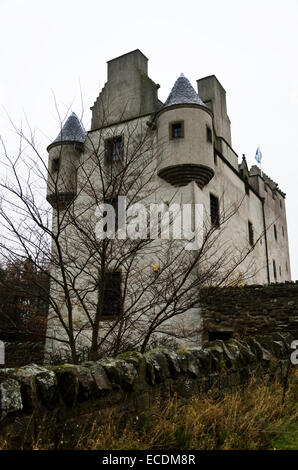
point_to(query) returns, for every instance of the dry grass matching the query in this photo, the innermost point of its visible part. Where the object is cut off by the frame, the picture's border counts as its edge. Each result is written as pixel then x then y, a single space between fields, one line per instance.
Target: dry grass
pixel 248 420
pixel 255 418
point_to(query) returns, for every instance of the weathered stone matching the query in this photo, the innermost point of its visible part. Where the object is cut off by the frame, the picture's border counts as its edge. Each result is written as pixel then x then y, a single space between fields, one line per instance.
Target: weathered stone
pixel 120 385
pixel 68 383
pixel 231 361
pixel 87 385
pixel 100 378
pixel 92 380
pixel 10 397
pixel 250 310
pixel 204 359
pixel 46 383
pixel 28 386
pixel 119 372
pixel 241 350
pixel 47 387
pixel 216 349
pixel 137 360
pixel 184 386
pixel 279 349
pixel 174 362
pixel 188 363
pixel 157 362
pixel 286 338
pixel 261 353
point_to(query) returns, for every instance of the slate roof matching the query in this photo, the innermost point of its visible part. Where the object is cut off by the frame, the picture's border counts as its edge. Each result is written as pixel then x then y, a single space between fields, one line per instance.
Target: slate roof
pixel 72 130
pixel 183 93
pixel 243 164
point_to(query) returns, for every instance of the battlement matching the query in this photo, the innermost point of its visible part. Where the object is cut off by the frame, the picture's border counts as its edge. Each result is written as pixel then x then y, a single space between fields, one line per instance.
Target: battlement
pixel 256 171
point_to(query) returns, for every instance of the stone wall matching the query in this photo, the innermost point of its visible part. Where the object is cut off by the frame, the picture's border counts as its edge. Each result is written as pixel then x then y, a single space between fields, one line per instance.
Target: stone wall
pixel 229 311
pixel 65 401
pixel 21 354
pixel 250 310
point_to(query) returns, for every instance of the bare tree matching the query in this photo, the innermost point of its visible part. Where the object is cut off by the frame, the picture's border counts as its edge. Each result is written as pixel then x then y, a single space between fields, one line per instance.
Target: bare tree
pixel 109 294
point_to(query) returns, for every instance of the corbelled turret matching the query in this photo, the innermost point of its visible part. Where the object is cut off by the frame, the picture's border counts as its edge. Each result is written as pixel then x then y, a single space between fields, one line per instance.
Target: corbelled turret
pixel 185 125
pixel 64 157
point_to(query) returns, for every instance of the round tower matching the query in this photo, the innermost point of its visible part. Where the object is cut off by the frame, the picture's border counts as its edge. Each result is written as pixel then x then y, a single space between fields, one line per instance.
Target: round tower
pixel 185 127
pixel 64 157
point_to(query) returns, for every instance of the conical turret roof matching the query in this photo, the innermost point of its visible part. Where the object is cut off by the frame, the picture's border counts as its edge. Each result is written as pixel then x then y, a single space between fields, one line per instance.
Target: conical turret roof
pixel 72 130
pixel 183 93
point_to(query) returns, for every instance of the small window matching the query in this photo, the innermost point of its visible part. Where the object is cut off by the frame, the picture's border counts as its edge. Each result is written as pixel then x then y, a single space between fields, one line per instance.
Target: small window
pixel 246 185
pixel 112 301
pixel 283 231
pixel 209 134
pixel 223 335
pixel 280 271
pixel 114 149
pixel 287 270
pixel 177 130
pixel 280 203
pixel 275 232
pixel 214 210
pixel 251 233
pixel 215 158
pixel 113 201
pixel 274 270
pixel 55 164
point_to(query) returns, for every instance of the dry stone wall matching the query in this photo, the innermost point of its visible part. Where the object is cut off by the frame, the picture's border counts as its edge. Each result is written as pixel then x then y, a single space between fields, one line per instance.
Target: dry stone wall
pixel 66 400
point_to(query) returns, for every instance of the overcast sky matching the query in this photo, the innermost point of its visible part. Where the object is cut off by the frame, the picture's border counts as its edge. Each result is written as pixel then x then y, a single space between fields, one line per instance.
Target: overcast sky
pixel 57 47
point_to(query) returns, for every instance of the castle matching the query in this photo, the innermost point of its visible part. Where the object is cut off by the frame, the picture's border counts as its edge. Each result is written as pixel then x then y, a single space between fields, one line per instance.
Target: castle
pixel 188 154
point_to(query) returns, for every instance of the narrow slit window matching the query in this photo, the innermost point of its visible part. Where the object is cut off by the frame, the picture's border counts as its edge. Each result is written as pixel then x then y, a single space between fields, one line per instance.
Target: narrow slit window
pixel 56 164
pixel 214 210
pixel 251 234
pixel 112 299
pixel 246 186
pixel 275 232
pixel 209 134
pixel 113 201
pixel 274 270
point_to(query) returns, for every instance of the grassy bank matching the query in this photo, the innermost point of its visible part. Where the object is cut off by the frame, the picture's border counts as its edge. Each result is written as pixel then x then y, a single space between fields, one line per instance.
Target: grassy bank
pixel 254 419
pixel 262 416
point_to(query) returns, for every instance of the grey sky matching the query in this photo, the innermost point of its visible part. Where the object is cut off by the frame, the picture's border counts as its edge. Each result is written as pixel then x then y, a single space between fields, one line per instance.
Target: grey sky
pixel 251 46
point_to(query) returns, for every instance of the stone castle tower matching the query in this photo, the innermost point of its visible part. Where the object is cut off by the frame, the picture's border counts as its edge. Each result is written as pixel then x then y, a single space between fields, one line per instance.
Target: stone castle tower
pixel 197 161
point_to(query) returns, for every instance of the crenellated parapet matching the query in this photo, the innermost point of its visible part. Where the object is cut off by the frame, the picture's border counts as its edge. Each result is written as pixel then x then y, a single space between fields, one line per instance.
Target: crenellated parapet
pixel 261 182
